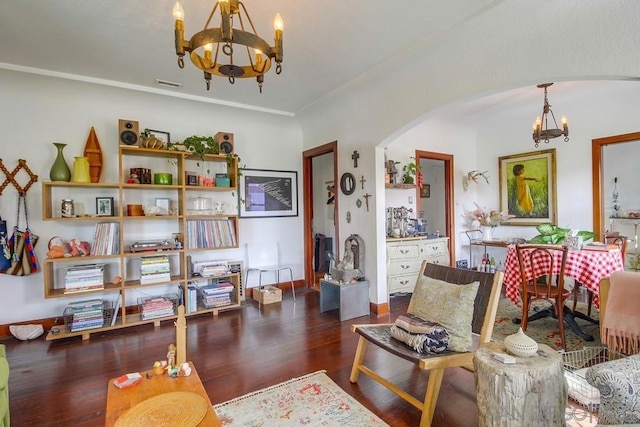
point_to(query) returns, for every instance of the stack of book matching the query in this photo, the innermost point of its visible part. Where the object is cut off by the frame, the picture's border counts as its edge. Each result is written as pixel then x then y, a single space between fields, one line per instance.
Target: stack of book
pixel 215 294
pixel 106 239
pixel 154 269
pixel 207 233
pixel 82 315
pixel 598 246
pixel 157 307
pixel 86 277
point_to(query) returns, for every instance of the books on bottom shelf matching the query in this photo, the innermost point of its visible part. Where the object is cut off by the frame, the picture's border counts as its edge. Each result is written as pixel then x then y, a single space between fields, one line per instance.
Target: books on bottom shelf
pixel 157 307
pixel 83 315
pixel 214 294
pixel 192 299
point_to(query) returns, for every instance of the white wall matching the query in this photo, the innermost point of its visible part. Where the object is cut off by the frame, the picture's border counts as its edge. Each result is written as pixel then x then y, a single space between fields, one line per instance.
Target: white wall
pixel 36 111
pixel 490 54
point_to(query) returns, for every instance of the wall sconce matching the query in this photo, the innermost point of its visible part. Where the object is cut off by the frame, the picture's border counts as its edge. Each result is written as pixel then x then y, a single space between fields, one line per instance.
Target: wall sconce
pixel 474 176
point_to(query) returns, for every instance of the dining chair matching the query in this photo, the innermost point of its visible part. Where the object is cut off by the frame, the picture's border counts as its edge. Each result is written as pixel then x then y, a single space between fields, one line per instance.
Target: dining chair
pixel 267 262
pixel 613 238
pixel 542 270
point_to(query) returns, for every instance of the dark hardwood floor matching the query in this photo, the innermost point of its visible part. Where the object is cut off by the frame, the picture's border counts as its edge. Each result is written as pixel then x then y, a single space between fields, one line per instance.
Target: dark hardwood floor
pixel 64 382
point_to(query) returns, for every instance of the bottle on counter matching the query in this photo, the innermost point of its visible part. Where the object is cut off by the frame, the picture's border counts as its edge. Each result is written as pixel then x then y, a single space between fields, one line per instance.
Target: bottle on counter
pixel 492 265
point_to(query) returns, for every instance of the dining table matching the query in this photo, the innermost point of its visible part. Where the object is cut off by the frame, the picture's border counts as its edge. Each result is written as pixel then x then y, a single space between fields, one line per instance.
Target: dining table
pixel 585 266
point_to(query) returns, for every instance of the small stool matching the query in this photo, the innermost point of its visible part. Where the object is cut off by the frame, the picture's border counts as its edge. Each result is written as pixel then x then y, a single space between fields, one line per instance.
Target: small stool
pixel 532 391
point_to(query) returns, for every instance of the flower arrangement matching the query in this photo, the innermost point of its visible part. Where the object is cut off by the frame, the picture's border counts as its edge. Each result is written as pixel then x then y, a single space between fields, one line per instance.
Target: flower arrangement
pixel 482 217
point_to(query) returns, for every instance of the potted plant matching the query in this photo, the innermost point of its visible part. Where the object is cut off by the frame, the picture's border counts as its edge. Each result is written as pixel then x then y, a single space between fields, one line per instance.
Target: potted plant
pixel 410 171
pixel 554 235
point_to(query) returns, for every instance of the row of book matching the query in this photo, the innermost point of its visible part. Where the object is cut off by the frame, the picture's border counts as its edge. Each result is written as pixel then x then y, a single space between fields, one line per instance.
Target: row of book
pixel 85 277
pixel 83 315
pixel 210 233
pixel 106 239
pixel 152 308
pixel 155 269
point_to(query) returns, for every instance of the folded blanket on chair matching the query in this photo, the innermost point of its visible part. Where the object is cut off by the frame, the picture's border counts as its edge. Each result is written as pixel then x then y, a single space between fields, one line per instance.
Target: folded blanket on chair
pixel 420 334
pixel 621 324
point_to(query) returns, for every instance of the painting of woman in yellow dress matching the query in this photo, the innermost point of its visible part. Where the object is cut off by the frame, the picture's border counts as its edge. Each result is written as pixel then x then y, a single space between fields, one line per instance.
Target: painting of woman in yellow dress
pixel 527 187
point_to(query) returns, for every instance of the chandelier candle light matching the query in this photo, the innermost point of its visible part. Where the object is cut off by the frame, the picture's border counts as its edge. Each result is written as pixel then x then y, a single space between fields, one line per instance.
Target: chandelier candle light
pixel 259 53
pixel 546 134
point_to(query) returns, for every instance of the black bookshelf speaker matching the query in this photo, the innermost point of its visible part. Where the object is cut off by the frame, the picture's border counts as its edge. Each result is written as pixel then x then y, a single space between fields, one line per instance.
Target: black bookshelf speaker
pixel 225 142
pixel 128 132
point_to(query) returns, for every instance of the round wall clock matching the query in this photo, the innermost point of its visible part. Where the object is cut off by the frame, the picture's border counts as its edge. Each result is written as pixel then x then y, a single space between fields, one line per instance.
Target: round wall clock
pixel 347 183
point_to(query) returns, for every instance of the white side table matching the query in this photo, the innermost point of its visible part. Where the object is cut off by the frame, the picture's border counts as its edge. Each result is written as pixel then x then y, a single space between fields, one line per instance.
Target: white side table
pixel 533 391
pixel 352 299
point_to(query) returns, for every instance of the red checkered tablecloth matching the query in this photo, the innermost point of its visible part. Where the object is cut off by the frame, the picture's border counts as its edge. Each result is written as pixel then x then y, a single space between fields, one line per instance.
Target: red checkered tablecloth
pixel 586 267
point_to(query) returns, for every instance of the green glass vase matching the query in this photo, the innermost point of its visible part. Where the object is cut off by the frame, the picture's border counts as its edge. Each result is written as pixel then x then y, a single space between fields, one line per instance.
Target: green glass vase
pixel 60 170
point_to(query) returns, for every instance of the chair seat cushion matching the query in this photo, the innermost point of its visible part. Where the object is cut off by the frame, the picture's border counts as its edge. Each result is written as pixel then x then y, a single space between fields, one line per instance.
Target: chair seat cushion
pixel 448 304
pixel 420 334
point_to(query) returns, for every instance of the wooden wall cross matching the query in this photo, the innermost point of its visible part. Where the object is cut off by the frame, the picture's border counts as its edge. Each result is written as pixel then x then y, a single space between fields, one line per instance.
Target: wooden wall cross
pixel 355 156
pixel 362 181
pixel 366 199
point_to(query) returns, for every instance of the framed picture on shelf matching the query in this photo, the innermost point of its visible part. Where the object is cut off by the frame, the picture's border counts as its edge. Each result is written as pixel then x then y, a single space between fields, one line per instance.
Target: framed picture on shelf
pixel 164 137
pixel 528 187
pixel 425 191
pixel 268 193
pixel 164 204
pixel 104 206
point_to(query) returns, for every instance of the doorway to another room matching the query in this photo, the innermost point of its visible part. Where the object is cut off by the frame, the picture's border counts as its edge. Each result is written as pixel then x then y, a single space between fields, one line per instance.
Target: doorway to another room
pixel 435 198
pixel 320 174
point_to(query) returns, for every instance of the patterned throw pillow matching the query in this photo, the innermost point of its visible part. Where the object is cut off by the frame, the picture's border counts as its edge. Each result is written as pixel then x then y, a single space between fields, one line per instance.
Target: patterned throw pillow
pixel 448 304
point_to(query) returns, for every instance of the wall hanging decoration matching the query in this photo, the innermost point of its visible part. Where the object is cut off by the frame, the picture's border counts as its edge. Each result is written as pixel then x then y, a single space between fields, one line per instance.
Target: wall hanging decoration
pixel 347 183
pixel 528 187
pixel 22 165
pixel 93 153
pixel 60 169
pixel 22 244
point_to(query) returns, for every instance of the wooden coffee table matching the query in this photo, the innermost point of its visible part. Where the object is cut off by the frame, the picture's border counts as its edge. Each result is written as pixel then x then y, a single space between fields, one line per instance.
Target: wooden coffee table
pixel 119 400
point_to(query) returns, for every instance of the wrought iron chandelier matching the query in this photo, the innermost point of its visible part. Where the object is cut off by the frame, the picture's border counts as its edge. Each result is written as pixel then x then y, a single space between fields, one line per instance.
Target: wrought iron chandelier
pixel 546 134
pixel 254 56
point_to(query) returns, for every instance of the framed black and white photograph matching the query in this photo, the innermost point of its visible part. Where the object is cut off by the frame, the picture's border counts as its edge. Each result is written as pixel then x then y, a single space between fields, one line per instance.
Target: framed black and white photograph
pixel 104 206
pixel 268 193
pixel 161 136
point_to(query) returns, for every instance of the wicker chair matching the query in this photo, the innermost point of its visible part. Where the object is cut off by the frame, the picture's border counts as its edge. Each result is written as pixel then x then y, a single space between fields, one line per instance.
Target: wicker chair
pixel 484 313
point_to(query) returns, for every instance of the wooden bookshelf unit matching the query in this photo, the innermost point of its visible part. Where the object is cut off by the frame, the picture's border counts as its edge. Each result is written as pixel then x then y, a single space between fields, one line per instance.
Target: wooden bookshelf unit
pixel 122 285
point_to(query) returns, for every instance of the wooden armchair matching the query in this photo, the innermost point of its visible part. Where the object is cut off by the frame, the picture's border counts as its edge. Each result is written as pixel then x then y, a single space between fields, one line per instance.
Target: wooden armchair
pixel 484 313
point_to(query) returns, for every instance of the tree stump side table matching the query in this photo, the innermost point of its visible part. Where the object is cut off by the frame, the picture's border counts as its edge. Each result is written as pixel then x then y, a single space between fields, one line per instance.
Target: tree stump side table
pixel 533 391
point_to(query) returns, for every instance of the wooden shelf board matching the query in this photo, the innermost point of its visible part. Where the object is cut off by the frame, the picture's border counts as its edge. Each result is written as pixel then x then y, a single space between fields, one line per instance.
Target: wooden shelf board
pixel 401 186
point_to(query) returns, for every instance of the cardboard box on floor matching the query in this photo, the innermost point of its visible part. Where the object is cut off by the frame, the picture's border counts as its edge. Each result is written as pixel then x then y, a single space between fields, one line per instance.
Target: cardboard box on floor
pixel 268 295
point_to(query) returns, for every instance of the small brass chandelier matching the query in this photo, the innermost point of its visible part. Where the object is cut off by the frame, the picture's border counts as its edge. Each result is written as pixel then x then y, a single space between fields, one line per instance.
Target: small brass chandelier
pixel 546 134
pixel 225 38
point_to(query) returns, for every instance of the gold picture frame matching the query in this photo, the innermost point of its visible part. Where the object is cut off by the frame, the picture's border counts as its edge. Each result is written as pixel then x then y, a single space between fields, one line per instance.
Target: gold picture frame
pixel 528 187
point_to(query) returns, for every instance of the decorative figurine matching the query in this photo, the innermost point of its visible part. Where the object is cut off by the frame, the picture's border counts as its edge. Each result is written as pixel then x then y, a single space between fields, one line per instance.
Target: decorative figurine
pixel 171 356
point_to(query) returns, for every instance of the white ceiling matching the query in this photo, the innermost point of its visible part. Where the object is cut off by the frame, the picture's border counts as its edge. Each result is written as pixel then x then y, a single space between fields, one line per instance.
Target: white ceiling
pixel 327 43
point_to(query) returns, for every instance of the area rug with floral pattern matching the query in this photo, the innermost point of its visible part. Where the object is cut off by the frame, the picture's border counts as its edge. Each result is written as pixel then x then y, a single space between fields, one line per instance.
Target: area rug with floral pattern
pixel 545 331
pixel 311 400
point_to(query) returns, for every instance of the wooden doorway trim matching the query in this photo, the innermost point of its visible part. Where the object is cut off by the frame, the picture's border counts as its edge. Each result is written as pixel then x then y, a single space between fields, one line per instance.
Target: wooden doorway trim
pixel 307 196
pixel 597 146
pixel 448 195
